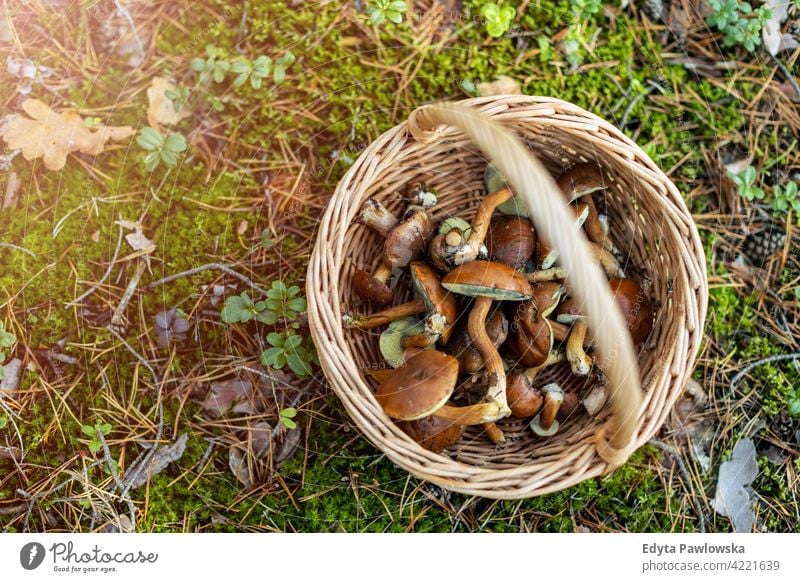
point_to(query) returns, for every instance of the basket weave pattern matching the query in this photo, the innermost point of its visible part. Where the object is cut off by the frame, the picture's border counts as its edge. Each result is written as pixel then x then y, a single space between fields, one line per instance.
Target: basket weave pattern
pixel 649 222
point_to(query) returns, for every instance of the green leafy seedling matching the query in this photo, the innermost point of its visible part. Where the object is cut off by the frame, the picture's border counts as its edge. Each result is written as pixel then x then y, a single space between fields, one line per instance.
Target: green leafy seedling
pixel 391 10
pixel 3 421
pixel 786 198
pixel 498 19
pixel 95 444
pixel 214 67
pixel 281 64
pixel 287 418
pixel 254 71
pixel 241 309
pixel 7 340
pixel 288 349
pixel 740 24
pixel 285 301
pixel 746 184
pixel 160 148
pixel 179 96
pixel 793 402
pixel 266 240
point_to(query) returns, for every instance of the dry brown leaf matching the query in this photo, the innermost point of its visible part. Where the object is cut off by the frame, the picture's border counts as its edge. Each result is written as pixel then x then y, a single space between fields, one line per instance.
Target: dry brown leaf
pixel 52 136
pixel 503 85
pixel 162 109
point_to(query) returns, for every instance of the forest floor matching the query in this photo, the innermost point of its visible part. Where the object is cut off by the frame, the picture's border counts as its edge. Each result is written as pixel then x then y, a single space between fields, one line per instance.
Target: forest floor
pixel 85 248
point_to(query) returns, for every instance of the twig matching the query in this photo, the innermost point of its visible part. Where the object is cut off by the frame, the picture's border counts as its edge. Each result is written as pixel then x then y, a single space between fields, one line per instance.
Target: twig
pixel 12 187
pixel 110 464
pixel 685 474
pixel 116 319
pixel 209 267
pixel 138 356
pixel 138 467
pixel 16 248
pixel 105 276
pixel 127 16
pixel 788 75
pixel 769 360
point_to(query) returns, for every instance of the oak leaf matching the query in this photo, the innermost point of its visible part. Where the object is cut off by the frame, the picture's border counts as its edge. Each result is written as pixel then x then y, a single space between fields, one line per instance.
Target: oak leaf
pixel 52 136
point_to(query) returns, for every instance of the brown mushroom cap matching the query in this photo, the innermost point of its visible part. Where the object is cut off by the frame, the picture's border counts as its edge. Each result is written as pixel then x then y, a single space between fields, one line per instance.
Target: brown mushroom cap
pixel 545 299
pixel 510 240
pixel 419 387
pixel 437 298
pixel 370 288
pixel 433 433
pixel 568 311
pixel 531 343
pixel 487 279
pixel 524 399
pixel 581 179
pixel 407 241
pixel 636 307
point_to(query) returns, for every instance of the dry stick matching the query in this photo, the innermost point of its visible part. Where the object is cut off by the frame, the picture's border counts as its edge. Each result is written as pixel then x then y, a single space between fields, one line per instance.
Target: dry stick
pixel 116 319
pixel 110 464
pixel 16 248
pixel 770 359
pixel 685 474
pixel 12 187
pixel 209 267
pixel 788 75
pixel 105 276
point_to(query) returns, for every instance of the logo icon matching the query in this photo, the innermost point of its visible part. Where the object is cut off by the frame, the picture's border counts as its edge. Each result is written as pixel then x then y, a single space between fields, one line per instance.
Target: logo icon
pixel 31 555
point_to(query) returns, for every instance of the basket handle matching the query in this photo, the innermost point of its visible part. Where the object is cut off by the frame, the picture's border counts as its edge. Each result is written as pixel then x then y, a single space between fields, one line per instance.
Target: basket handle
pixel 530 179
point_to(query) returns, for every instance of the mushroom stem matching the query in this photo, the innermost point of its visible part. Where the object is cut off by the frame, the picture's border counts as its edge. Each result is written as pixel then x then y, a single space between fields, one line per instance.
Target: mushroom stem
pixel 482 413
pixel 606 260
pixel 383 273
pixel 544 275
pixel 595 400
pixel 553 397
pixel 377 216
pixel 593 227
pixel 494 363
pixel 552 359
pixel 560 331
pixel 480 226
pixel 580 363
pixel 414 307
pixel 434 327
pixel 494 433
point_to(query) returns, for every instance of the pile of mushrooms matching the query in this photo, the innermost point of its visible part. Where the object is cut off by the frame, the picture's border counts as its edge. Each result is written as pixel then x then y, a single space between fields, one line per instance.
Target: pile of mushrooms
pixel 491 311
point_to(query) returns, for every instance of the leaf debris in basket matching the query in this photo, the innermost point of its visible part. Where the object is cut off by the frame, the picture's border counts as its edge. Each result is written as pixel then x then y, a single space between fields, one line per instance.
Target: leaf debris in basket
pixel 733 496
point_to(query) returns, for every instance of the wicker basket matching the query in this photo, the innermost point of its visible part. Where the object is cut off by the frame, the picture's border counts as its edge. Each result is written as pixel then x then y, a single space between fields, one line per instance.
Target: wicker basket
pixel 443 145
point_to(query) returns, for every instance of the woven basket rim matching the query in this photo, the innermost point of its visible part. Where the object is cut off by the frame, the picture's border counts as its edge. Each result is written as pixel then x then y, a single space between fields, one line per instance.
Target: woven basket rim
pixel 347 380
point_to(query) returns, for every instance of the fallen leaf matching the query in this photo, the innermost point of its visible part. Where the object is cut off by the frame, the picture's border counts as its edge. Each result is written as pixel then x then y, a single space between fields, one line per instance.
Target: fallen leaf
pixel 733 496
pixel 52 136
pixel 162 109
pixel 11 377
pixel 161 459
pixel 287 448
pixel 225 396
pixel 771 33
pixel 139 242
pixel 260 438
pixel 503 85
pixel 237 462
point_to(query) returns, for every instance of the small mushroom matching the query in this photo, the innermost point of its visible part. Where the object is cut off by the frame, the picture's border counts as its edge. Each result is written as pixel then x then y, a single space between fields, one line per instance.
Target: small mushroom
pixel 487 281
pixel 524 399
pixel 463 349
pixel 569 313
pixel 494 433
pixel 391 340
pixel 510 240
pixel 480 226
pixel 569 405
pixel 374 288
pixel 594 401
pixel 531 342
pixel 578 183
pixel 377 216
pixel 420 194
pixel 545 423
pixel 547 256
pixel 419 387
pixel 453 233
pixel 441 305
pixel 405 239
pixel 413 307
pixel 636 307
pixel 433 433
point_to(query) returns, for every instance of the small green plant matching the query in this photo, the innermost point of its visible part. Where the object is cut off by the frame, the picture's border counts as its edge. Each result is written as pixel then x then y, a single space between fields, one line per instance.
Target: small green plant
pixel 216 67
pixel 7 340
pixel 282 303
pixel 266 240
pixel 585 9
pixel 3 421
pixel 93 432
pixel 179 96
pixel 740 24
pixel 793 402
pixel 391 10
pixel 288 349
pixel 746 184
pixel 786 198
pixel 545 49
pixel 287 418
pixel 160 148
pixel 498 19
